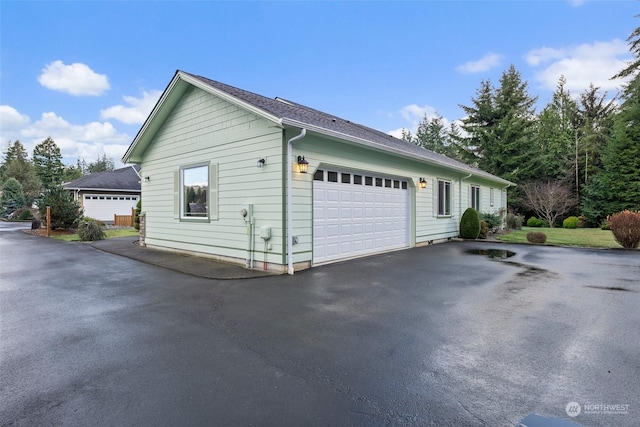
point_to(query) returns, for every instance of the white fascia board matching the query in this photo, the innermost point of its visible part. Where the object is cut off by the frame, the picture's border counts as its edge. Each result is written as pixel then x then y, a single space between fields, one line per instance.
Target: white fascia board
pixel 368 143
pixel 121 190
pixel 229 98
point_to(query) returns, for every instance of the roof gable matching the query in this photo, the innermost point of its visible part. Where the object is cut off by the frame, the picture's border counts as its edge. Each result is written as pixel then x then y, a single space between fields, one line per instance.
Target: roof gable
pixel 288 113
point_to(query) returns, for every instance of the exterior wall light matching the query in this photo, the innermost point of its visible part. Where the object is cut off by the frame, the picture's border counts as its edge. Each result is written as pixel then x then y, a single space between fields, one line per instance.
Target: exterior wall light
pixel 303 165
pixel 423 183
pixel 147 179
pixel 261 163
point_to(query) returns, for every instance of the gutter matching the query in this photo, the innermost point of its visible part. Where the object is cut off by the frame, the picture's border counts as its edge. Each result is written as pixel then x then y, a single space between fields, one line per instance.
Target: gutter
pixel 371 144
pixel 303 133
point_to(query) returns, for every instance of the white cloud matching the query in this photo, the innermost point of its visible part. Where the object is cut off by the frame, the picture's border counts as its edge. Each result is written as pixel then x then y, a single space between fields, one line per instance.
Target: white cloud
pixel 11 119
pixel 136 112
pixel 412 115
pixel 75 79
pixel 577 3
pixel 487 62
pixel 581 65
pixel 88 141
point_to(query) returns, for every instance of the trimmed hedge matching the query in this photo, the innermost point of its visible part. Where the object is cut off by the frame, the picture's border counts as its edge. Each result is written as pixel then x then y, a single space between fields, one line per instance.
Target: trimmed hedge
pixel 470 224
pixel 536 237
pixel 571 222
pixel 535 222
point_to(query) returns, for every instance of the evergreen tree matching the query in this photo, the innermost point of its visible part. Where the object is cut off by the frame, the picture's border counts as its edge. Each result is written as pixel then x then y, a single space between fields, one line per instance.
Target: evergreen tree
pixel 556 132
pixel 433 135
pixel 12 197
pixel 47 160
pixel 617 185
pixel 102 164
pixel 65 212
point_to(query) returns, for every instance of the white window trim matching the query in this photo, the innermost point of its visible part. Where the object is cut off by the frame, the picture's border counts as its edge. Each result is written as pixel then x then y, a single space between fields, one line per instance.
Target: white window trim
pixel 491 197
pixel 444 215
pixel 180 200
pixel 473 189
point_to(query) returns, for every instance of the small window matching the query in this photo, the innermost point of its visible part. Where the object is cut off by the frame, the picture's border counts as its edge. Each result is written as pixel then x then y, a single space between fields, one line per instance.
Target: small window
pixel 378 182
pixel 368 180
pixel 332 176
pixel 195 187
pixel 101 197
pixel 396 184
pixel 491 196
pixel 95 197
pixel 444 198
pixel 387 183
pixel 346 178
pixel 319 175
pixel 357 179
pixel 87 197
pixel 475 197
pixel 404 185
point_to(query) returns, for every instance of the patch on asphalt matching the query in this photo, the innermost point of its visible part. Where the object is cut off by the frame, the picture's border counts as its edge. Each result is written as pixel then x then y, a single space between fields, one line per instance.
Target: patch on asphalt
pixel 609 288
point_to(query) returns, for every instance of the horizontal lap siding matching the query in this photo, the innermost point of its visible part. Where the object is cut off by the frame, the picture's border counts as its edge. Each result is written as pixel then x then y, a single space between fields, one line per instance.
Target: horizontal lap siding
pixel 204 128
pixel 321 151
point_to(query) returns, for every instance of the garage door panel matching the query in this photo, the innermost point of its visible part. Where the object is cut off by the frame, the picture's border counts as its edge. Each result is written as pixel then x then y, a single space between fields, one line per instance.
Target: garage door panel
pixel 355 219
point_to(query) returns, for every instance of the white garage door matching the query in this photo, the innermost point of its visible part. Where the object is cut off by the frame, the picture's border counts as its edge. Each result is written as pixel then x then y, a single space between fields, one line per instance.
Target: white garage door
pixel 105 206
pixel 356 214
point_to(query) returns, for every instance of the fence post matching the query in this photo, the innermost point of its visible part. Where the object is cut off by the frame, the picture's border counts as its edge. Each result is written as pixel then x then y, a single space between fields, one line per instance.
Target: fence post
pixel 133 217
pixel 48 221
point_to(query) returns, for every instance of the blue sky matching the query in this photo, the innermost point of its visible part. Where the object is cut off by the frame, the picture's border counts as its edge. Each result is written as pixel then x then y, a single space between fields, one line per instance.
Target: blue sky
pixel 88 73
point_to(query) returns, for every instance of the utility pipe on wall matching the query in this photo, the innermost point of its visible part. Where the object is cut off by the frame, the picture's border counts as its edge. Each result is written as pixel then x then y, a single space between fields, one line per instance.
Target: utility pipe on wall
pixel 303 132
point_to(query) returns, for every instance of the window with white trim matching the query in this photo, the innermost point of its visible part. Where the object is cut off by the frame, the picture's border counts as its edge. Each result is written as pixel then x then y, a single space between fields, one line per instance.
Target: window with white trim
pixel 194 185
pixel 444 198
pixel 475 197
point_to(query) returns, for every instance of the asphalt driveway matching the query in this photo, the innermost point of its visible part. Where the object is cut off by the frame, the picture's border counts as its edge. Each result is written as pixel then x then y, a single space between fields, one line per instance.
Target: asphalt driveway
pixel 433 335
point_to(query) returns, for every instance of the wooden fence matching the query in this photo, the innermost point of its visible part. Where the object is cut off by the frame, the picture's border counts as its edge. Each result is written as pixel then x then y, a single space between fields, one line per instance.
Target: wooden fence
pixel 124 220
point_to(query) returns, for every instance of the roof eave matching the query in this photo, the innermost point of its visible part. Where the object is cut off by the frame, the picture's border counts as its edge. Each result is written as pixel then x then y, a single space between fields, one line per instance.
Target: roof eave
pixel 369 143
pixel 168 99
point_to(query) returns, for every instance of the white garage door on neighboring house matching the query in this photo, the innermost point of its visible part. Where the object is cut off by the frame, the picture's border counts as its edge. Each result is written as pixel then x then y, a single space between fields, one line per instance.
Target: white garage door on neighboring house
pixel 105 206
pixel 357 214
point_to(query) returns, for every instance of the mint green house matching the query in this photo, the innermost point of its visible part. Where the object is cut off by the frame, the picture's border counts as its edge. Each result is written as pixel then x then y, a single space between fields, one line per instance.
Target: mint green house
pixel 270 183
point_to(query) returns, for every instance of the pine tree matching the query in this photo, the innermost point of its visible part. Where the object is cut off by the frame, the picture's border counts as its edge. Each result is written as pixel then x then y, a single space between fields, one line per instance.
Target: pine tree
pixel 12 197
pixel 47 160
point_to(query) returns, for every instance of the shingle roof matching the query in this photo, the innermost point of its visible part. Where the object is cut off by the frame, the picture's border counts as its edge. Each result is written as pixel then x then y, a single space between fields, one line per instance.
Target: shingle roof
pixel 292 111
pixel 124 179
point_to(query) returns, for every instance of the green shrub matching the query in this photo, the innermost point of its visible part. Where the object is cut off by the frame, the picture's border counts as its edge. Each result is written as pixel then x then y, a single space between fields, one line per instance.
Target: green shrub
pixel 89 231
pixel 12 197
pixel 536 237
pixel 97 221
pixel 136 215
pixel 484 230
pixel 493 220
pixel 535 222
pixel 571 222
pixel 65 212
pixel 625 227
pixel 470 224
pixel 25 215
pixel 605 225
pixel 514 222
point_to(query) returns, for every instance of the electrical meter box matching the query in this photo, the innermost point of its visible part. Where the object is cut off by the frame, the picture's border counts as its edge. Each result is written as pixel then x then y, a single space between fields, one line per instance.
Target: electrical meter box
pixel 265 233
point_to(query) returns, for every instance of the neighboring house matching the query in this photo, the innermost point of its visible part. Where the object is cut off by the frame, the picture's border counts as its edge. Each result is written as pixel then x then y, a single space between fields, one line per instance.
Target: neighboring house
pixel 105 194
pixel 223 176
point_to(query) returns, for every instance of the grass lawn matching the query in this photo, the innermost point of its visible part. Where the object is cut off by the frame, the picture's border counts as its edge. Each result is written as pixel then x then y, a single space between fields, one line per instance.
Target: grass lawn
pixel 587 237
pixel 73 237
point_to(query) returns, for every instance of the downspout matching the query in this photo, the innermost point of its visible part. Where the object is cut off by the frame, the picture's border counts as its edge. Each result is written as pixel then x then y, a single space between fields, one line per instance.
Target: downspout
pixel 303 132
pixel 505 202
pixel 460 198
pixel 460 192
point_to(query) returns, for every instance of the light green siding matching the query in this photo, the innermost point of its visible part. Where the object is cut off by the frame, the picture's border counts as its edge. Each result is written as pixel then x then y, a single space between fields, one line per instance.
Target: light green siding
pixel 204 128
